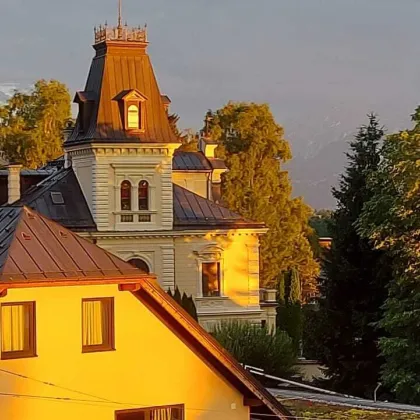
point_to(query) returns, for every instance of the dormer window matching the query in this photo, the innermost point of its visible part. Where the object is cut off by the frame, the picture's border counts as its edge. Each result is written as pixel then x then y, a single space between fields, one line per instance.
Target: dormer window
pixel 133 117
pixel 132 106
pixel 86 101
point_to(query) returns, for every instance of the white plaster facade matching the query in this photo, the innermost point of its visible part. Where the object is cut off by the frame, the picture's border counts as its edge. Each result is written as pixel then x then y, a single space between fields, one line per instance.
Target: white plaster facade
pixel 174 256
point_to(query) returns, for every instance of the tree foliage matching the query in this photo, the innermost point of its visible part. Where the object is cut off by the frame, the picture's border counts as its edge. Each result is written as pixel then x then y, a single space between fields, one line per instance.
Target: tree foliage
pixel 355 278
pixel 256 187
pixel 258 346
pixel 186 302
pixel 31 124
pixel 391 219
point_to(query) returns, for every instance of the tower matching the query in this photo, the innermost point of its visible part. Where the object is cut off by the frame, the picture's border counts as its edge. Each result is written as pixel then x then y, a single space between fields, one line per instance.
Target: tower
pixel 122 146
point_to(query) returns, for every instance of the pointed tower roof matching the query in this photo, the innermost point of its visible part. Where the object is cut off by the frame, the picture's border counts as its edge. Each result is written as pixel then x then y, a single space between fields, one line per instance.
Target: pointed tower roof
pixel 121 74
pixel 36 249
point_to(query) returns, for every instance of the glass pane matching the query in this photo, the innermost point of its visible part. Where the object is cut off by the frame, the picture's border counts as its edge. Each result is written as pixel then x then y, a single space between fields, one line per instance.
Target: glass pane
pixel 15 328
pixel 94 323
pixel 143 195
pixel 126 195
pixel 211 279
pixel 133 116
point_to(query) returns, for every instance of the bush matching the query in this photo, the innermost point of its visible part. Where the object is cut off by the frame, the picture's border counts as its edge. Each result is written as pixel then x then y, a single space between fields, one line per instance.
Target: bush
pixel 258 346
pixel 290 320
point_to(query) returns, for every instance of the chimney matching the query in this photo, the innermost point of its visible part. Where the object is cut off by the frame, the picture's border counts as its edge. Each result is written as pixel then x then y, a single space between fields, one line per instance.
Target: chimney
pixel 13 181
pixel 166 102
pixel 207 147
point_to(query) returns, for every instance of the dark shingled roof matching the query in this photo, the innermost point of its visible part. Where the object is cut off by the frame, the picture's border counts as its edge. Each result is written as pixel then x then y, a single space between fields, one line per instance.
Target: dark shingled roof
pixel 73 212
pixel 35 248
pixel 190 161
pixel 192 211
pixel 121 67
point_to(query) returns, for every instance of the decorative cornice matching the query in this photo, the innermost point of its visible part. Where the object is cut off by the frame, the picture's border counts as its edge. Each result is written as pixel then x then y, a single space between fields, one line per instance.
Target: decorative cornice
pixel 122 235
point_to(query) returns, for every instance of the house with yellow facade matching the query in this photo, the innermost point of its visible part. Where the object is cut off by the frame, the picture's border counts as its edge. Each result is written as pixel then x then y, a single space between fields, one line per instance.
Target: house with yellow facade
pixel 85 335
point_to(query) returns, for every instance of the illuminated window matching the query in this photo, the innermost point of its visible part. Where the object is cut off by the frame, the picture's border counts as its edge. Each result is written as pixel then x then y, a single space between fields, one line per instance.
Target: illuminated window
pixel 143 195
pixel 133 117
pixel 18 330
pixel 97 324
pixel 154 413
pixel 126 195
pixel 210 277
pixel 140 264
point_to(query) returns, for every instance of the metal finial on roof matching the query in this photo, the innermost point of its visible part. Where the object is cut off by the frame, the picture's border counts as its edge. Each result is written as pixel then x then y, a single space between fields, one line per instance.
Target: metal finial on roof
pixel 119 13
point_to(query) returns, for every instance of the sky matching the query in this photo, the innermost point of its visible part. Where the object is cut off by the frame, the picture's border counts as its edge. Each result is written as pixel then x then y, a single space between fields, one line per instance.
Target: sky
pixel 322 65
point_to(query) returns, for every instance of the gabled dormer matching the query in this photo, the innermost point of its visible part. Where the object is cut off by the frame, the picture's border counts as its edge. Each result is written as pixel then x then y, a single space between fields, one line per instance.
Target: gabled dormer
pixel 132 108
pixel 86 102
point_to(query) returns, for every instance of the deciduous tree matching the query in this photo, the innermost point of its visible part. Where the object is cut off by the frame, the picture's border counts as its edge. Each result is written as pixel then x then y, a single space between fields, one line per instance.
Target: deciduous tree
pixel 257 187
pixel 31 124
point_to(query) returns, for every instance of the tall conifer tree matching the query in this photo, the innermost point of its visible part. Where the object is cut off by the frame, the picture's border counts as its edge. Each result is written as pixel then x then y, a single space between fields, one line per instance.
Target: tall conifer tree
pixel 391 219
pixel 356 276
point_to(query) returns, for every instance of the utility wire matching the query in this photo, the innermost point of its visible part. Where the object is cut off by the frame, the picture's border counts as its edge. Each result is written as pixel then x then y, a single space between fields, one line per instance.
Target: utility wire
pixel 104 401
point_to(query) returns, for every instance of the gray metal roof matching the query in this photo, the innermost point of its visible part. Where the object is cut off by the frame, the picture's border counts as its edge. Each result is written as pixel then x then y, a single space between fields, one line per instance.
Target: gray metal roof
pixel 192 211
pixel 72 211
pixel 190 161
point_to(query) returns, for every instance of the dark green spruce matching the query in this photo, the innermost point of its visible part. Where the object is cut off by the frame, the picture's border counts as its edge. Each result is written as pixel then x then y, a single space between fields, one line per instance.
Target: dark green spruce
pixel 355 278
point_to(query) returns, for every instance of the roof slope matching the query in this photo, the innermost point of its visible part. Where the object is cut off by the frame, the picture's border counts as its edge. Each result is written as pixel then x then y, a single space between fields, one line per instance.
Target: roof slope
pixel 190 161
pixel 192 211
pixel 35 248
pixel 74 211
pixel 36 252
pixel 120 67
pixel 176 319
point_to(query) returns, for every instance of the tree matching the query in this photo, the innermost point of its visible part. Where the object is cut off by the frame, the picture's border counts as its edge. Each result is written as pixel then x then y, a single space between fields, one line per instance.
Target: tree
pixel 391 219
pixel 31 124
pixel 320 222
pixel 186 302
pixel 256 187
pixel 289 311
pixel 355 278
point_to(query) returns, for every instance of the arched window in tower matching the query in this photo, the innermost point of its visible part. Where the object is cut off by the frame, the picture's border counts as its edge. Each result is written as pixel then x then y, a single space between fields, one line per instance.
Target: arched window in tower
pixel 133 117
pixel 126 195
pixel 140 264
pixel 143 195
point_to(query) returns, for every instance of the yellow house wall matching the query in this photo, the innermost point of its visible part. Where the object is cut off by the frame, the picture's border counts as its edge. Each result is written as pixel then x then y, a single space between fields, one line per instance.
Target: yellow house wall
pixel 240 276
pixel 150 366
pixel 196 182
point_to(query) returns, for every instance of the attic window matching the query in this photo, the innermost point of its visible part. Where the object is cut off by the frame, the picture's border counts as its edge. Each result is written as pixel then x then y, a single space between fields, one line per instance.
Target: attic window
pixel 57 198
pixel 132 109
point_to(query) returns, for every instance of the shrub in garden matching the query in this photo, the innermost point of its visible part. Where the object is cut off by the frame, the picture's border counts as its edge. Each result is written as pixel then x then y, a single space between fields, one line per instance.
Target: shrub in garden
pixel 258 346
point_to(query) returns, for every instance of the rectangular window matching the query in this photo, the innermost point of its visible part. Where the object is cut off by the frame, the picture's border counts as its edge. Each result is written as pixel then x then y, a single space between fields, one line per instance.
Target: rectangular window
pixel 211 279
pixel 18 330
pixel 155 413
pixel 97 325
